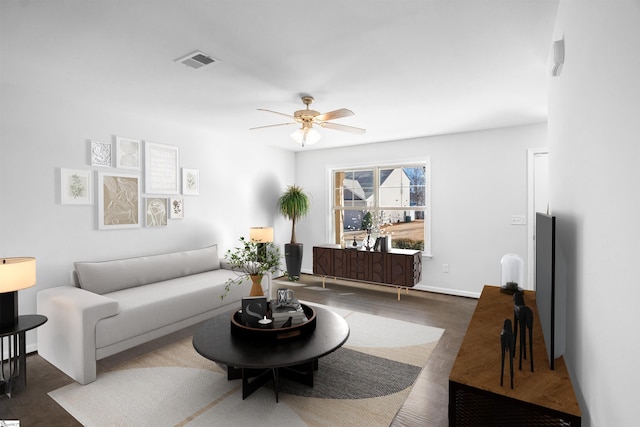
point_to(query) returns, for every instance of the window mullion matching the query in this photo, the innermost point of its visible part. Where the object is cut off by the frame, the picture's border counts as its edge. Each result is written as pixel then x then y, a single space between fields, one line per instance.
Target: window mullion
pixel 376 191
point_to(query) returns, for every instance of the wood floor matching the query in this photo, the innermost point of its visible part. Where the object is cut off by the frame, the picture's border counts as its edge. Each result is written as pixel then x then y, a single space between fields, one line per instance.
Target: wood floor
pixel 425 406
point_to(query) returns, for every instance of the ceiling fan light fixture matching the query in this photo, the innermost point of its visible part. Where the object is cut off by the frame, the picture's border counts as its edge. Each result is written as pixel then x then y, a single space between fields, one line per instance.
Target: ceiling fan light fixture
pixel 306 136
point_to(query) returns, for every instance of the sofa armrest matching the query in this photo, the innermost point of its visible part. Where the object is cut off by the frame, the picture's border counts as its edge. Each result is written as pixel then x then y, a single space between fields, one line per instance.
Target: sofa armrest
pixel 224 264
pixel 68 339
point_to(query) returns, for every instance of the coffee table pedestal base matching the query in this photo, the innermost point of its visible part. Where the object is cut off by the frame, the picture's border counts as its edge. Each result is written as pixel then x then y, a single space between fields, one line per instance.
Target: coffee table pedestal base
pixel 253 379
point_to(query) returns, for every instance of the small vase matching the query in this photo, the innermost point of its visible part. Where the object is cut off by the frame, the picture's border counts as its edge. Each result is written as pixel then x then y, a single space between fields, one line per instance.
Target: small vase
pixel 256 287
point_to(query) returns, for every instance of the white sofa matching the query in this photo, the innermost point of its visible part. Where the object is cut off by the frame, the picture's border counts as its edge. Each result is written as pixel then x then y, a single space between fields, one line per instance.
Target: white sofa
pixel 120 304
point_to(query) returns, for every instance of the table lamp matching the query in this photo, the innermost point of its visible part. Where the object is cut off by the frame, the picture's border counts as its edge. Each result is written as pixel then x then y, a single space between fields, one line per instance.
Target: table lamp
pixel 15 274
pixel 261 236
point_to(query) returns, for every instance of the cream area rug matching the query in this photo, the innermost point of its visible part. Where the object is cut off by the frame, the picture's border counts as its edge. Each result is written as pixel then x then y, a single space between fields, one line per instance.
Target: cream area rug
pixel 364 383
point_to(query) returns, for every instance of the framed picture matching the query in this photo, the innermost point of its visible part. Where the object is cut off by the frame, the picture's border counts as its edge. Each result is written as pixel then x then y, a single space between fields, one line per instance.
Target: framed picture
pixel 100 154
pixel 161 169
pixel 253 309
pixel 128 153
pixel 190 182
pixel 155 209
pixel 118 200
pixel 76 187
pixel 176 208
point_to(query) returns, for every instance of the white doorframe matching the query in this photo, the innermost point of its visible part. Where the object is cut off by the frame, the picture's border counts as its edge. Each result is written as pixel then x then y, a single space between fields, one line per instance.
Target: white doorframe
pixel 532 177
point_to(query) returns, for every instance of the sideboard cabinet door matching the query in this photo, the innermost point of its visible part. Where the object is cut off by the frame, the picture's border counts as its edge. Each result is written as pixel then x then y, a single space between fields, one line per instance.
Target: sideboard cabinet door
pixel 323 261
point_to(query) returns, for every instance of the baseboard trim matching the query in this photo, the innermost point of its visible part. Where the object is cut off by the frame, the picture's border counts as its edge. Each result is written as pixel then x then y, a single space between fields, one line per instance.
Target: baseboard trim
pixel 447 291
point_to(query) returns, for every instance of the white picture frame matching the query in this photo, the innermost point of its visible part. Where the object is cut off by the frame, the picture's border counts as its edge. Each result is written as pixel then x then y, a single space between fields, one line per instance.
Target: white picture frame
pixel 76 187
pixel 190 182
pixel 118 200
pixel 156 211
pixel 176 208
pixel 161 168
pixel 101 154
pixel 128 153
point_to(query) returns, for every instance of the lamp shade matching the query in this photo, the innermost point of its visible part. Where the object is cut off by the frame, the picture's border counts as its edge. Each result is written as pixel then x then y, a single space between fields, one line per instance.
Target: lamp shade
pixel 261 234
pixel 17 273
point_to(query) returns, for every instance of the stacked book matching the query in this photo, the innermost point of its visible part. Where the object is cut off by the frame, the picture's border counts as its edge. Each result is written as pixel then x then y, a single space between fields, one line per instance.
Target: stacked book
pixel 288 315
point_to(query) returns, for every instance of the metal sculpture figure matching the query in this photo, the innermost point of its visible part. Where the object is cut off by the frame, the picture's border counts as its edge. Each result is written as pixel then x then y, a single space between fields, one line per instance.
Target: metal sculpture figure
pixel 508 343
pixel 523 320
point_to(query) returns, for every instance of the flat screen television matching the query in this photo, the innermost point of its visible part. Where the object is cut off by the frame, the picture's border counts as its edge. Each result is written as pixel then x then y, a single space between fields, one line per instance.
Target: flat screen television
pixel 550 287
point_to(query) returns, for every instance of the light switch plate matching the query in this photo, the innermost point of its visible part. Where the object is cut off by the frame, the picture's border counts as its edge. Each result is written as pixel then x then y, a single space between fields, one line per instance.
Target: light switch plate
pixel 518 220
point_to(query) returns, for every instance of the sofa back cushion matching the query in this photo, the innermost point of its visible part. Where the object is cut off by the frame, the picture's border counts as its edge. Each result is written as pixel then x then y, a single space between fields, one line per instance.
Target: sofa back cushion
pixel 110 276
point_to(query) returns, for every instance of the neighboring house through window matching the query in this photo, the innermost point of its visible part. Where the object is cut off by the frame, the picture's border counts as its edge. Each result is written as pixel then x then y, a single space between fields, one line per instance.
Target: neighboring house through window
pixel 387 200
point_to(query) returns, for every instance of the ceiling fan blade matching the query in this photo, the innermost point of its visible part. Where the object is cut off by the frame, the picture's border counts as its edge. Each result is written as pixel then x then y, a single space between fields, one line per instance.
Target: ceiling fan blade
pixel 275 112
pixel 270 126
pixel 343 128
pixel 332 115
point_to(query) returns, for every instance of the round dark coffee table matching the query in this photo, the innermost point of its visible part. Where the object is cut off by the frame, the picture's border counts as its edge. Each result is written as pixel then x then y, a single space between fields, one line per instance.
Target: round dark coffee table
pixel 257 362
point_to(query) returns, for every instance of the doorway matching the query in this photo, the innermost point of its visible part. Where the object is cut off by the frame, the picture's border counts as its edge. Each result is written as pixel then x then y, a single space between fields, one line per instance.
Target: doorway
pixel 538 201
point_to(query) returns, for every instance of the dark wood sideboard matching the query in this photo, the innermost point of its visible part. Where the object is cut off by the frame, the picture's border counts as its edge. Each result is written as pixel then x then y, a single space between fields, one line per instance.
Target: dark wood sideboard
pixel 401 268
pixel 476 398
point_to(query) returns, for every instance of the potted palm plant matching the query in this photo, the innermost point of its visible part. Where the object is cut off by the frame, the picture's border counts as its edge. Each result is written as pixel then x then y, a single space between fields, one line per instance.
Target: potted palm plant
pixel 293 204
pixel 251 260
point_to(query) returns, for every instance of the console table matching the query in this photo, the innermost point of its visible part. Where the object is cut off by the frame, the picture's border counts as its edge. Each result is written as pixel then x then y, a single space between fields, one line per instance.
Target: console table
pixel 543 397
pixel 401 268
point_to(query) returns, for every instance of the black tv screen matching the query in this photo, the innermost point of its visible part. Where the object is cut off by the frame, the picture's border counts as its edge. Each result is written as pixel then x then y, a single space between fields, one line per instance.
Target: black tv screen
pixel 546 279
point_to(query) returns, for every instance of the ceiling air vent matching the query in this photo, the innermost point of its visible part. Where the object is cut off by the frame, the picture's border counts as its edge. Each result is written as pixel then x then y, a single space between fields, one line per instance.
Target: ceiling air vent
pixel 196 60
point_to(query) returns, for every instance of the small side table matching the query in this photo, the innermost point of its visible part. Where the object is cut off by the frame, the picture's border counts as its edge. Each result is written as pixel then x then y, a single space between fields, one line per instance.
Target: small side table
pixel 13 371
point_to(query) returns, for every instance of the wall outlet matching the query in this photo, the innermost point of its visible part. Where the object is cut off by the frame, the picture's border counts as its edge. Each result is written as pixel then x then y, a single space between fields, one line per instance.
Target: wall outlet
pixel 445 268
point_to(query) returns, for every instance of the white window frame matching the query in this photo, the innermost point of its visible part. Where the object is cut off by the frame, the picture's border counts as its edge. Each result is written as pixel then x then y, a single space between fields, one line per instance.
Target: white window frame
pixel 331 229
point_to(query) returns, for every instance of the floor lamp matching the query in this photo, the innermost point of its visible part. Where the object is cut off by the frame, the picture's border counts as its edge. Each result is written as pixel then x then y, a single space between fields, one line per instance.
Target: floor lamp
pixel 15 274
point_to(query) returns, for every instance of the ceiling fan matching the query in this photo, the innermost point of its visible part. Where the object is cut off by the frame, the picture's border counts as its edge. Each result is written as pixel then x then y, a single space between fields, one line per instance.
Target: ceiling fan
pixel 307 135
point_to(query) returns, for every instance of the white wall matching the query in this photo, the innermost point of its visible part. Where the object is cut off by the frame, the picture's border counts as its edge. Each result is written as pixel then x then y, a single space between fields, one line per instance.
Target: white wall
pixel 594 135
pixel 44 130
pixel 478 180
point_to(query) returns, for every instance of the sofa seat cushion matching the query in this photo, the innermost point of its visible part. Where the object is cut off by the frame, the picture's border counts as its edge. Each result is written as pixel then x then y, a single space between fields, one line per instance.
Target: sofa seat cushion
pixel 149 307
pixel 110 276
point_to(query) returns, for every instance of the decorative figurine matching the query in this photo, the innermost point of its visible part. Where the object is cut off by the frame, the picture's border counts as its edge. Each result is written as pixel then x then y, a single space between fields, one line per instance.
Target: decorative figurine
pixel 507 341
pixel 523 318
pixel 368 242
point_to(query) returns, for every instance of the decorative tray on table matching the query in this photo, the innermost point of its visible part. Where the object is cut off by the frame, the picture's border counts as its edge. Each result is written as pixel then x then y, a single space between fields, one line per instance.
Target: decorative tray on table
pixel 270 331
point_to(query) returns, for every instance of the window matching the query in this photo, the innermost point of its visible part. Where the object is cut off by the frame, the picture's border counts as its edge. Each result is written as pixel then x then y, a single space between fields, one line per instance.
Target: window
pixel 383 200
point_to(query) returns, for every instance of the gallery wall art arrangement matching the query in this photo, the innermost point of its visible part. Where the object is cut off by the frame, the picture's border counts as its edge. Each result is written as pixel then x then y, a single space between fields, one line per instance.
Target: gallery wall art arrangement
pixel 120 200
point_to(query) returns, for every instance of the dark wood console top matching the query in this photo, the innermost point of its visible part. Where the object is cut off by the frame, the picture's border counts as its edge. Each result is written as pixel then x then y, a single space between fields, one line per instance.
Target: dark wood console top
pixel 478 363
pixel 349 248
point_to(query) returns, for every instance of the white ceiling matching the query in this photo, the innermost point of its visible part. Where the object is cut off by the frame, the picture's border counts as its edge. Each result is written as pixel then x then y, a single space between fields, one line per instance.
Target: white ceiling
pixel 407 68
